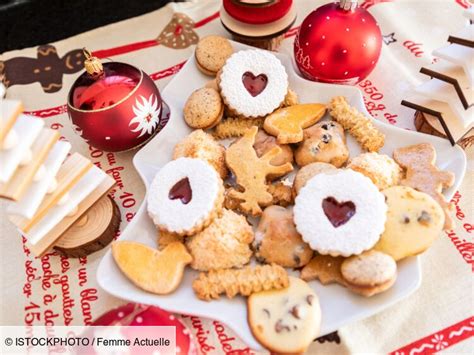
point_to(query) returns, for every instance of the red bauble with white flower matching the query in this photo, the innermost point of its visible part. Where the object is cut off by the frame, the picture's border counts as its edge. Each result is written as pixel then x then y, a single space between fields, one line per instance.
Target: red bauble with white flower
pixel 115 106
pixel 338 43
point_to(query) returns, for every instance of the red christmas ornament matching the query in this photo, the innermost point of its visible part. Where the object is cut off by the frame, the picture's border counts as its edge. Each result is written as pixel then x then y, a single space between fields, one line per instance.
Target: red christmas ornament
pixel 133 314
pixel 114 106
pixel 338 43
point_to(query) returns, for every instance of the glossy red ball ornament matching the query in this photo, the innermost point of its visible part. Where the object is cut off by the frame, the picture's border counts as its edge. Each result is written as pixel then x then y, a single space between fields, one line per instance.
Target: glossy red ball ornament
pixel 115 106
pixel 338 43
pixel 133 314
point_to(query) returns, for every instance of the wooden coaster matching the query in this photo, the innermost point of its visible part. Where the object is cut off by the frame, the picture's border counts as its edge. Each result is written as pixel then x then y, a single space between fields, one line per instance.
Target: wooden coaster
pixel 11 109
pixel 92 232
pixel 426 123
pixel 24 175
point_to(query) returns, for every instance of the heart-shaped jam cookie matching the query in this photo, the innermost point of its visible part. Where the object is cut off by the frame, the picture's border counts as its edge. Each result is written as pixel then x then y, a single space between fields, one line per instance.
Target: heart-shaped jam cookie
pixel 337 212
pixel 254 84
pixel 181 190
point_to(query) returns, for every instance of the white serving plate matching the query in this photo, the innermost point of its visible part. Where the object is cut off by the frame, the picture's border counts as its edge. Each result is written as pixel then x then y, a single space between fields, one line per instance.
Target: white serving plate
pixel 339 306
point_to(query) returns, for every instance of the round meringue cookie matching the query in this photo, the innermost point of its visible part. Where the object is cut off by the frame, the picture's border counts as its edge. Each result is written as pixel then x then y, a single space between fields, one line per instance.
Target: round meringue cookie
pixel 342 213
pixel 185 196
pixel 253 83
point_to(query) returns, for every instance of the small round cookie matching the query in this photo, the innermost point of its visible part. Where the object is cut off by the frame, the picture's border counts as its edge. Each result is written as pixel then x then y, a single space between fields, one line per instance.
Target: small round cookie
pixel 211 54
pixel 224 244
pixel 201 145
pixel 380 168
pixel 324 142
pixel 277 240
pixel 203 109
pixel 185 196
pixel 253 83
pixel 307 172
pixel 264 143
pixel 285 321
pixel 369 273
pixel 414 221
pixel 342 213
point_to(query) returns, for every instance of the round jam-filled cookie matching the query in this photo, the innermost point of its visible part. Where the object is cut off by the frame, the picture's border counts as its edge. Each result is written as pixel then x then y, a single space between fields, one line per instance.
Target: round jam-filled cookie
pixel 202 145
pixel 285 321
pixel 369 273
pixel 277 240
pixel 380 168
pixel 185 196
pixel 222 245
pixel 414 221
pixel 342 213
pixel 253 83
pixel 203 109
pixel 324 142
pixel 211 54
pixel 307 172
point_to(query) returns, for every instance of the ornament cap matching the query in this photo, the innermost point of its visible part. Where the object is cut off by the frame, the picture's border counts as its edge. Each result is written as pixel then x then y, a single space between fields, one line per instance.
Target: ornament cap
pixel 348 5
pixel 92 64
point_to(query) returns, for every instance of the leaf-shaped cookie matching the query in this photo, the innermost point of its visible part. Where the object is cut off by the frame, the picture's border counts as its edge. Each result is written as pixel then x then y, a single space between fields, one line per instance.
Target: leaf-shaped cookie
pixel 152 270
pixel 251 172
pixel 287 123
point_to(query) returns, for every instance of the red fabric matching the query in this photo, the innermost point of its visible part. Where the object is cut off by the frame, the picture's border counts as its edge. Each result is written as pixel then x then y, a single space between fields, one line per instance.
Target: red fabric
pixel 258 15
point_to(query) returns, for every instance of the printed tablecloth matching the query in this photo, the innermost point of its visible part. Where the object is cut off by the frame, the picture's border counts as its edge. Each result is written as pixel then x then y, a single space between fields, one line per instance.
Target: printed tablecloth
pixel 61 291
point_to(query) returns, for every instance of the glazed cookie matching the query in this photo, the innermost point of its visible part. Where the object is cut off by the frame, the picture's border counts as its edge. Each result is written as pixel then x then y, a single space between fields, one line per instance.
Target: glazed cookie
pixel 185 196
pixel 324 142
pixel 202 145
pixel 369 273
pixel 277 240
pixel 285 321
pixel 264 143
pixel 203 109
pixel 325 268
pixel 224 244
pixel 211 54
pixel 342 213
pixel 253 83
pixel 307 172
pixel 414 221
pixel 380 168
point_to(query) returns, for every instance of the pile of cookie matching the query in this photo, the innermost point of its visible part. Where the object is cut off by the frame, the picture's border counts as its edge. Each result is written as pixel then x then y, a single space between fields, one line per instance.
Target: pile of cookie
pixel 284 193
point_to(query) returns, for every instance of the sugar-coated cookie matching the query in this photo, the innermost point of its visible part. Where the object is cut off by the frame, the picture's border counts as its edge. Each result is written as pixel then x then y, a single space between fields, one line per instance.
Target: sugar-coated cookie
pixel 307 172
pixel 414 221
pixel 253 83
pixel 203 109
pixel 342 213
pixel 264 143
pixel 277 240
pixel 285 321
pixel 380 168
pixel 325 268
pixel 202 145
pixel 369 273
pixel 224 244
pixel 185 196
pixel 211 54
pixel 324 142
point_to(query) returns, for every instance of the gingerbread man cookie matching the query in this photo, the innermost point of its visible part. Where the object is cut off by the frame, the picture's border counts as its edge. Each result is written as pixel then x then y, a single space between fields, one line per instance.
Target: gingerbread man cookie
pixel 422 174
pixel 251 172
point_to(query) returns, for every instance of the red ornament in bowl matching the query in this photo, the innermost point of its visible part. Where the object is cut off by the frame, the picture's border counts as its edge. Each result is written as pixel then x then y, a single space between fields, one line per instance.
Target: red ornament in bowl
pixel 114 106
pixel 338 43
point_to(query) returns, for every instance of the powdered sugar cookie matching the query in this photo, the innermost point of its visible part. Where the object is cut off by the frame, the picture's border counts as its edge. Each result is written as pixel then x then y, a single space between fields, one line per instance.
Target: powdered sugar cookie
pixel 253 83
pixel 285 321
pixel 307 172
pixel 185 196
pixel 380 168
pixel 342 213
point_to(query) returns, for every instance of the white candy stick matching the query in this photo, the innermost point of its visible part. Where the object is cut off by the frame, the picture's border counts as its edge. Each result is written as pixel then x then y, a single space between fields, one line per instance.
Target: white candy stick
pixel 55 215
pixel 30 128
pixel 28 205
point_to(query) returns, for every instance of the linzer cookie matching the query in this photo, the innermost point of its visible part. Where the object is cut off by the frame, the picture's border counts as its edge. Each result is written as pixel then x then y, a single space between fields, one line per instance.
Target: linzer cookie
pixel 414 221
pixel 253 83
pixel 423 175
pixel 340 214
pixel 185 196
pixel 307 172
pixel 285 321
pixel 211 54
